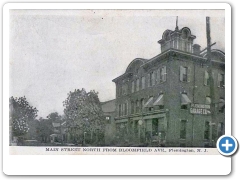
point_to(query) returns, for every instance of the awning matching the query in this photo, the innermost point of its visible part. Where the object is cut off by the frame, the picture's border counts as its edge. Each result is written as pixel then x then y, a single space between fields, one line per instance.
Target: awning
pixel 208 100
pixel 185 100
pixel 221 103
pixel 149 103
pixel 159 101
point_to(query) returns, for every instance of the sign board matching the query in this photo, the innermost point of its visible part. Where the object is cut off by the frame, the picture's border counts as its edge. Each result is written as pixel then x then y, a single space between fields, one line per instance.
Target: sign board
pixel 202 109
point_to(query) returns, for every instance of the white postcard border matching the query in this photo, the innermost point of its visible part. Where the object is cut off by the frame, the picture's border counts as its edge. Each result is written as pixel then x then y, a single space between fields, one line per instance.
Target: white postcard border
pixel 113 164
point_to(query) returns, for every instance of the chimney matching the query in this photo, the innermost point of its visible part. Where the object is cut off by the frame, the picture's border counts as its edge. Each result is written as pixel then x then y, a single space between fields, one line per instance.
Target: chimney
pixel 196 49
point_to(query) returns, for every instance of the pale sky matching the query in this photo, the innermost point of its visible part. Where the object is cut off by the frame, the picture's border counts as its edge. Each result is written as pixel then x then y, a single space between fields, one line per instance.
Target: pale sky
pixel 53 52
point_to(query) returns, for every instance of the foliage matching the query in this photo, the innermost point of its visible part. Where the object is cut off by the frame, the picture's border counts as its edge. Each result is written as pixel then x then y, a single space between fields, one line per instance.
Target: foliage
pixel 21 113
pixel 45 129
pixel 83 113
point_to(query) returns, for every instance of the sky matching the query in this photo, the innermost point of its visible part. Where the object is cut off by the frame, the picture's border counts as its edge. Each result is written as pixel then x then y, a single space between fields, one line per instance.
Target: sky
pixel 53 52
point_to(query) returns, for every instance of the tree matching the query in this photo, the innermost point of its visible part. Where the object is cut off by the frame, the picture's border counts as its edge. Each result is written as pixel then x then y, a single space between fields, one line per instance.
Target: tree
pixel 21 113
pixel 83 113
pixel 45 129
pixel 54 117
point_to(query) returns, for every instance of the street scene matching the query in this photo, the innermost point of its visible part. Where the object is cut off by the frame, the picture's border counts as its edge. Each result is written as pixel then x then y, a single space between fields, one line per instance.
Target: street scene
pixel 116 78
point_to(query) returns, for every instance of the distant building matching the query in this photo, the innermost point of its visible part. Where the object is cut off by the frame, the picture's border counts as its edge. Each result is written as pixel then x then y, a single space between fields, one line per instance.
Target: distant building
pixel 165 100
pixel 109 110
pixel 59 132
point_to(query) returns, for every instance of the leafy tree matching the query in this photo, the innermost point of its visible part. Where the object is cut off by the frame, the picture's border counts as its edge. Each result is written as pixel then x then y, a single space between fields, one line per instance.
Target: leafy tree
pixel 21 113
pixel 54 117
pixel 45 129
pixel 83 113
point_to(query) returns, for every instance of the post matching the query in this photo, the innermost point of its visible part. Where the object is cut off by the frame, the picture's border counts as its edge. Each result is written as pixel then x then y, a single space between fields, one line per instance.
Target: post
pixel 193 116
pixel 211 80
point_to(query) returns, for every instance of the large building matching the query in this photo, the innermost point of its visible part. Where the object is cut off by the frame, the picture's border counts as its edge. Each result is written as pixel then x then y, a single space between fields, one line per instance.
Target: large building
pixel 165 100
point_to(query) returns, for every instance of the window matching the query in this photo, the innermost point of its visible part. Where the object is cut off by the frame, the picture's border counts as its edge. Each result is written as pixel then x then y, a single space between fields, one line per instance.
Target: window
pixel 137 85
pixel 158 75
pixel 137 106
pixel 221 105
pixel 119 90
pixel 207 130
pixel 163 74
pixel 184 74
pixel 183 127
pixel 220 129
pixel 208 100
pixel 143 82
pixel 122 109
pixel 155 77
pixel 151 79
pixel 124 89
pixel 108 119
pixel 132 107
pixel 206 78
pixel 133 86
pixel 126 108
pixel 221 80
pixel 142 104
pixel 119 110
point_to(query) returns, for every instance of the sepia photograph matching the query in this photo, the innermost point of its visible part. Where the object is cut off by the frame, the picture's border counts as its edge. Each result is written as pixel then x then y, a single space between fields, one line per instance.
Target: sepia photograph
pixel 116 78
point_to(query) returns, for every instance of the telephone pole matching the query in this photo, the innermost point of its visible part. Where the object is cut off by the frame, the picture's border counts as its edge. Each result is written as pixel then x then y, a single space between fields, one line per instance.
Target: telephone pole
pixel 211 80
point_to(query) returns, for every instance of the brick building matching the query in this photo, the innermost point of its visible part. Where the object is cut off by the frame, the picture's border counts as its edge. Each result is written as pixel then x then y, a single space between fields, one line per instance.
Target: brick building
pixel 165 100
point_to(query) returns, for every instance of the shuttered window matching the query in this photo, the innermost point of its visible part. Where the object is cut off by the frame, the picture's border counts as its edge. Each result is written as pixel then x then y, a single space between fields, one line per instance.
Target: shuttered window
pixel 143 82
pixel 185 74
pixel 206 78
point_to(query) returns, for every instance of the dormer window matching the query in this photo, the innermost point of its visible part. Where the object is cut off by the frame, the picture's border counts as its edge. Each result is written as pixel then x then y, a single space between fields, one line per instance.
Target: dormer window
pixel 185 34
pixel 167 36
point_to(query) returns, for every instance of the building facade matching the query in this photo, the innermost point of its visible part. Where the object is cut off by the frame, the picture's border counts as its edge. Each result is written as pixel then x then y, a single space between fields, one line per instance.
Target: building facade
pixel 165 100
pixel 109 110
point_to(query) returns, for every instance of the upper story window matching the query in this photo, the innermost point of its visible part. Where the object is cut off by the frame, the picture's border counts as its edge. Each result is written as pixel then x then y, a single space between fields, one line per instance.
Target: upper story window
pixel 137 85
pixel 119 110
pixel 124 89
pixel 206 78
pixel 133 86
pixel 132 107
pixel 163 74
pixel 184 74
pixel 142 104
pixel 151 79
pixel 137 106
pixel 221 82
pixel 143 82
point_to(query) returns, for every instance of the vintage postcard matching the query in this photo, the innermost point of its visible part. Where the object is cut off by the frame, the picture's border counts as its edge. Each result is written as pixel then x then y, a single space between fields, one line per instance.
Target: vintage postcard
pixel 100 79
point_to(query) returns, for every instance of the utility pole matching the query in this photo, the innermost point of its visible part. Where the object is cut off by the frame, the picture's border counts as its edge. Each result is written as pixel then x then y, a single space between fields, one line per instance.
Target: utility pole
pixel 211 80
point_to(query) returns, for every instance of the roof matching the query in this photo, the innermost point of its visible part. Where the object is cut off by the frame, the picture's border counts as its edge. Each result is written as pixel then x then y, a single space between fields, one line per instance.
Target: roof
pixel 57 124
pixel 109 106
